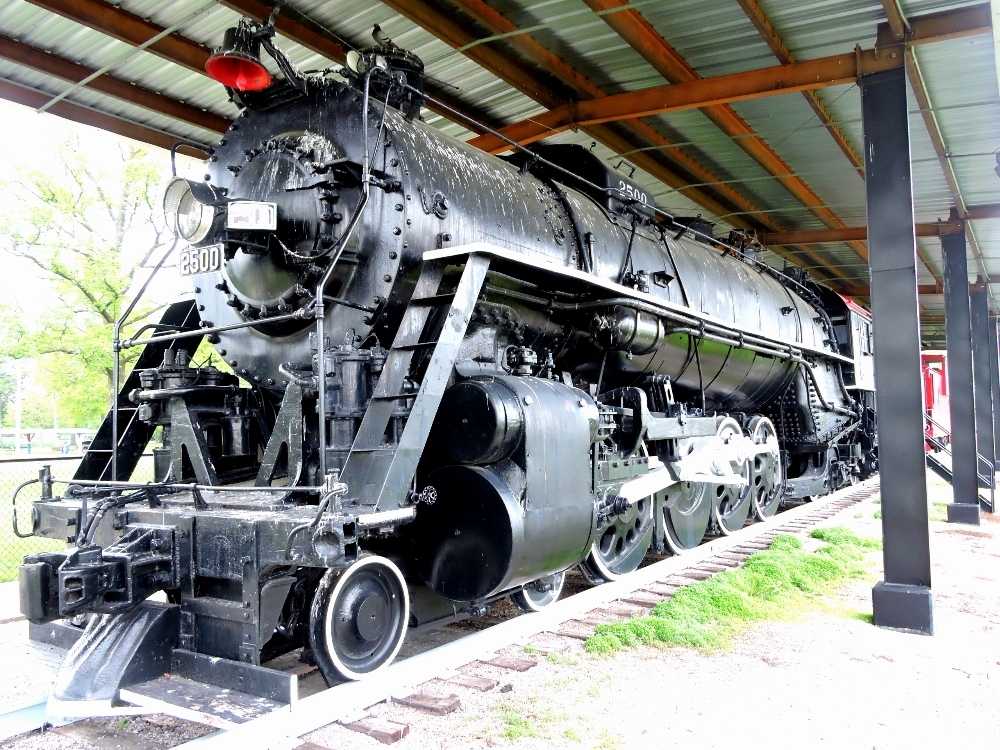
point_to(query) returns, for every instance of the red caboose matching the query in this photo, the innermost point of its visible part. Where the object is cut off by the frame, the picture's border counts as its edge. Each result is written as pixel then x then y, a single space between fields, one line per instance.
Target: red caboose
pixel 935 375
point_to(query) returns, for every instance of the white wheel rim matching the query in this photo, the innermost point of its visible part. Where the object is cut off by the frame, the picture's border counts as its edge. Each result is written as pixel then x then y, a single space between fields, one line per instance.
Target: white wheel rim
pixel 328 616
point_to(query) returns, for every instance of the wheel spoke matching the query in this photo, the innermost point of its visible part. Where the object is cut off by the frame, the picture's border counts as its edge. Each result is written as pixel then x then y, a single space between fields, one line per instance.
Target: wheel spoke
pixel 621 544
pixel 768 472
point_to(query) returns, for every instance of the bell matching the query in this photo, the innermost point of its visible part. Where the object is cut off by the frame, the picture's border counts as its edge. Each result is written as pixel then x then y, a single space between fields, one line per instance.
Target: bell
pixel 237 63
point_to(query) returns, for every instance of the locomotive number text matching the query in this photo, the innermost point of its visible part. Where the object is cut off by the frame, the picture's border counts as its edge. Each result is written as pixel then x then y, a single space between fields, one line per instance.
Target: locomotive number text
pixel 196 260
pixel 631 192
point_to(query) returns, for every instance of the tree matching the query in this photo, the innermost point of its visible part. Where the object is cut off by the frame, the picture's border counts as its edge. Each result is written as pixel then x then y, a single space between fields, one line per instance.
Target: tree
pixel 8 387
pixel 88 230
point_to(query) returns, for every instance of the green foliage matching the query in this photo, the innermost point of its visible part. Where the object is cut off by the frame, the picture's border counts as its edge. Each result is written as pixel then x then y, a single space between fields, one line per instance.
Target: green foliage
pixel 516 724
pixel 8 385
pixel 705 615
pixel 556 658
pixel 87 231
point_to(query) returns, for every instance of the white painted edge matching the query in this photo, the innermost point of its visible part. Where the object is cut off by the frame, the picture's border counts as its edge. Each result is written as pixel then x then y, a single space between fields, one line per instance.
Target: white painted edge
pixel 281 729
pixel 26 718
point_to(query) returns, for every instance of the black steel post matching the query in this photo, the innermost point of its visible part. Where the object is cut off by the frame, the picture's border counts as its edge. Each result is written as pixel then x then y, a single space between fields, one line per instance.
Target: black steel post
pixel 985 447
pixel 903 600
pixel 961 402
pixel 995 386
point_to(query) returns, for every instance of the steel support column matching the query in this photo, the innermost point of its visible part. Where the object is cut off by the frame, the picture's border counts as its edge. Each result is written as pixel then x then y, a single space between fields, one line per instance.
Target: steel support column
pixel 903 600
pixel 995 386
pixel 981 379
pixel 961 403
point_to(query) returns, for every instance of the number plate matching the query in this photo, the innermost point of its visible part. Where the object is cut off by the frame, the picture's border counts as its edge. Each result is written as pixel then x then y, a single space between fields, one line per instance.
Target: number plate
pixel 197 260
pixel 252 215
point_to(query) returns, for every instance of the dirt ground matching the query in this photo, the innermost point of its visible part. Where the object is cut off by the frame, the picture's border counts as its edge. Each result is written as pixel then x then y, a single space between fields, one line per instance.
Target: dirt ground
pixel 826 678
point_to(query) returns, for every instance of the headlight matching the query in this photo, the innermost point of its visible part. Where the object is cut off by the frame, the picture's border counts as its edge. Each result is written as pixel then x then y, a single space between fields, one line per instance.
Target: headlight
pixel 189 208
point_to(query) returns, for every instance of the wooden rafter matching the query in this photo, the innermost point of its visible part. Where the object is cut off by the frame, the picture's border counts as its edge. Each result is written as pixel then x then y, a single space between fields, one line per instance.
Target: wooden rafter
pixel 67 70
pixel 834 70
pixel 631 26
pixel 29 97
pixel 785 57
pixel 583 87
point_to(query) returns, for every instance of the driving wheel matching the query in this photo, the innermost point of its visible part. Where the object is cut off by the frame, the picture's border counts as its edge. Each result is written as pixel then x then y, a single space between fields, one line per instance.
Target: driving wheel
pixel 622 542
pixel 732 501
pixel 767 473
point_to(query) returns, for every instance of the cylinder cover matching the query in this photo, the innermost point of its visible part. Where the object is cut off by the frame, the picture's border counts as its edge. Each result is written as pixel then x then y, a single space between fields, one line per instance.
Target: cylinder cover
pixel 480 422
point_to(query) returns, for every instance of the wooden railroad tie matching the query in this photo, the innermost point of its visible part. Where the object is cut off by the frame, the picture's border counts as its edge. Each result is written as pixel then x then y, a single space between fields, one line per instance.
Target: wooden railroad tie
pixel 482 684
pixel 663 589
pixel 695 574
pixel 623 612
pixel 376 727
pixel 439 705
pixel 512 663
pixel 576 629
pixel 642 599
pixel 546 648
pixel 710 567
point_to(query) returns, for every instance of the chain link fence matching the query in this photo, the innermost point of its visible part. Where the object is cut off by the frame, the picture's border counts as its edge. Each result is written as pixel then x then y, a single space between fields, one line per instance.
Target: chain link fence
pixel 13 473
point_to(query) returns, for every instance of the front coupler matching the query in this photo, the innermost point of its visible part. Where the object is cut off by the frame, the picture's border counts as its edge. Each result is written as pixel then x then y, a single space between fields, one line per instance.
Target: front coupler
pixel 144 560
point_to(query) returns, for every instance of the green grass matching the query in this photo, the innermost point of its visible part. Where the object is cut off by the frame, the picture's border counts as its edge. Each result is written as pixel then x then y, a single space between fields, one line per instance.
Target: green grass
pixel 12 548
pixel 772 584
pixel 518 724
pixel 557 658
pixel 572 735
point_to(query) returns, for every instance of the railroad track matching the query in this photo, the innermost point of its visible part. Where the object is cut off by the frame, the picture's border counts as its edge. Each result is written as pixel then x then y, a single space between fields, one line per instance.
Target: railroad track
pixel 574 617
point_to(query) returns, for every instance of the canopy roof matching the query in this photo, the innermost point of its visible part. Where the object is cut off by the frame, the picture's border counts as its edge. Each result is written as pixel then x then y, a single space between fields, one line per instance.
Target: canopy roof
pixel 744 111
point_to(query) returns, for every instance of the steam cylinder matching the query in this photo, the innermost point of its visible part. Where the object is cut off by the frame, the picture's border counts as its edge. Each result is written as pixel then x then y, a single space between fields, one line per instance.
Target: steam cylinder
pixel 521 518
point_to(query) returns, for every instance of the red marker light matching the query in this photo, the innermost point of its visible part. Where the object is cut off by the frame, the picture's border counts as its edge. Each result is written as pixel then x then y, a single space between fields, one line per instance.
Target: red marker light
pixel 238 73
pixel 237 63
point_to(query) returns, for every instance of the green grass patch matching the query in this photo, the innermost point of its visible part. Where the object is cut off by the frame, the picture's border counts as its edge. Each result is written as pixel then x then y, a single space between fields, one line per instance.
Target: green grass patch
pixel 517 723
pixel 770 585
pixel 556 658
pixel 572 735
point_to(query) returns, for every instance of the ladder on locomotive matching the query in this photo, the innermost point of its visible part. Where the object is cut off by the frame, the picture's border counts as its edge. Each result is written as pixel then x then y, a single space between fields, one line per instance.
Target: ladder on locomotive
pixel 133 434
pixel 379 474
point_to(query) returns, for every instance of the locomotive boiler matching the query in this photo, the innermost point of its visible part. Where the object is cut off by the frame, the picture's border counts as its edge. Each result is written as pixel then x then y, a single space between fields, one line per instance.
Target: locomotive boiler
pixel 451 378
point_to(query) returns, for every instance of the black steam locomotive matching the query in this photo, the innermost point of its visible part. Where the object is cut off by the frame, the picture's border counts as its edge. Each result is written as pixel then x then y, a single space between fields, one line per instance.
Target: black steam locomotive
pixel 453 378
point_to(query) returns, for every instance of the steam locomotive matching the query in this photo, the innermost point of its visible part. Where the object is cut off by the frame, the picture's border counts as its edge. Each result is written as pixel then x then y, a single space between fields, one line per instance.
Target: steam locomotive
pixel 454 377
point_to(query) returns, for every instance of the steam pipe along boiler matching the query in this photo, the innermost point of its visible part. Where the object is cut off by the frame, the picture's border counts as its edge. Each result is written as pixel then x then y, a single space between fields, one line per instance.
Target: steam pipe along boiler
pixel 453 378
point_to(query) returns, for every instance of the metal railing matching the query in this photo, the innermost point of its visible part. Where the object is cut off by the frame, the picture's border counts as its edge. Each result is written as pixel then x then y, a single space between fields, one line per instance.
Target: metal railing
pixel 988 478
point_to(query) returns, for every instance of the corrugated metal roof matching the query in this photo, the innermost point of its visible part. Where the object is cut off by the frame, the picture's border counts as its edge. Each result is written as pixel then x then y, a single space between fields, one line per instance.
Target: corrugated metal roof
pixel 715 37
